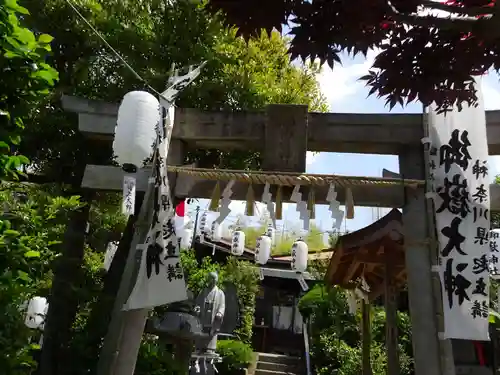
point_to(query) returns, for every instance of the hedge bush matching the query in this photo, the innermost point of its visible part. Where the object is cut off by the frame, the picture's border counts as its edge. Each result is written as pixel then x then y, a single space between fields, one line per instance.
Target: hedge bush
pixel 236 355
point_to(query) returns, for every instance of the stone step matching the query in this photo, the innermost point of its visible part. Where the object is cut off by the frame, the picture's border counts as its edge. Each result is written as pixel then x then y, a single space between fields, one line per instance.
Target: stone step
pixel 278 358
pixel 269 372
pixel 276 366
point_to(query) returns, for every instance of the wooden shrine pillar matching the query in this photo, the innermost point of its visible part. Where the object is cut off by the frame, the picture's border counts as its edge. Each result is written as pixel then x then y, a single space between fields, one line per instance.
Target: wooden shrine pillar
pixel 366 333
pixel 123 340
pixel 391 319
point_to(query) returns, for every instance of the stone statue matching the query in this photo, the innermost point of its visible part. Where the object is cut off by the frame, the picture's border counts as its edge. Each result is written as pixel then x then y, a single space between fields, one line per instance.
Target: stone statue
pixel 216 311
pixel 210 306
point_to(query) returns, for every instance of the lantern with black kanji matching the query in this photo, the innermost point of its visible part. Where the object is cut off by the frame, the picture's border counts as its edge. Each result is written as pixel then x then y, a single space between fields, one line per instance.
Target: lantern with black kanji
pixel 238 242
pixel 186 238
pixel 36 312
pixel 300 252
pixel 203 224
pixel 216 232
pixel 271 233
pixel 263 249
pixel 135 133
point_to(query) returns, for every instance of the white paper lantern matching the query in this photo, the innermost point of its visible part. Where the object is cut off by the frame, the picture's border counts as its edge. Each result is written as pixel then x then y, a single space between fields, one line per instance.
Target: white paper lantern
pixel 216 232
pixel 45 311
pixel 263 249
pixel 35 314
pixel 238 242
pixel 203 224
pixel 300 252
pixel 110 254
pixel 271 233
pixel 135 131
pixel 186 238
pixel 181 224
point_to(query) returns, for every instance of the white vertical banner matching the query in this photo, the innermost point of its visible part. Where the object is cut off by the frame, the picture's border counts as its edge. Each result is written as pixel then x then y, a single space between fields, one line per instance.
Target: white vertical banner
pixel 160 279
pixel 459 172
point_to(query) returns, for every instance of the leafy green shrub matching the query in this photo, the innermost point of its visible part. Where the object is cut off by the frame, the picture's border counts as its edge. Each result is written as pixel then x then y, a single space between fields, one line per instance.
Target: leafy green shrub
pixel 312 300
pixel 343 359
pixel 155 359
pixel 27 82
pixel 236 355
pixel 31 228
pixel 404 329
pixel 336 338
pixel 244 276
pixel 330 315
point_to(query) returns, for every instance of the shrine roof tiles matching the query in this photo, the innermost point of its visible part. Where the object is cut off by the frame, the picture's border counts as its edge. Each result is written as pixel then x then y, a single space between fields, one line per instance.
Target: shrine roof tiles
pixel 364 253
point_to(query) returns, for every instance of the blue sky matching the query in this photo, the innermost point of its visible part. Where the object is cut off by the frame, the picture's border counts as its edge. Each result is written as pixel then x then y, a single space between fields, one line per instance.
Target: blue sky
pixel 346 94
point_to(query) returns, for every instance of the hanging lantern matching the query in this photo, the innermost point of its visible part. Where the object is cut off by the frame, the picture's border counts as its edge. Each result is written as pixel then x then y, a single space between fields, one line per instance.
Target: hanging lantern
pixel 45 311
pixel 238 242
pixel 110 254
pixel 35 314
pixel 271 233
pixel 186 238
pixel 135 133
pixel 263 249
pixel 203 224
pixel 181 223
pixel 216 232
pixel 300 253
pixel 352 302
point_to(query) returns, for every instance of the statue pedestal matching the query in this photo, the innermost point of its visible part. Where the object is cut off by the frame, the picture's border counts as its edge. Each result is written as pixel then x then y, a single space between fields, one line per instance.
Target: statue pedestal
pixel 204 363
pixel 206 342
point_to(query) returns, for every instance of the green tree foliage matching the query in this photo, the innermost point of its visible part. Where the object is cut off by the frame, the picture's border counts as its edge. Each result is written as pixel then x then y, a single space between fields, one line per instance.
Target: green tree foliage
pixel 155 359
pixel 26 80
pixel 236 355
pixel 336 337
pixel 240 273
pixel 151 35
pixel 32 225
pixel 332 239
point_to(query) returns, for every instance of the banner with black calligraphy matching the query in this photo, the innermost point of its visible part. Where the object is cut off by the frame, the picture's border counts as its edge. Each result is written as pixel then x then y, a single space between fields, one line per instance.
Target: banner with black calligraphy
pixel 494 253
pixel 459 174
pixel 160 279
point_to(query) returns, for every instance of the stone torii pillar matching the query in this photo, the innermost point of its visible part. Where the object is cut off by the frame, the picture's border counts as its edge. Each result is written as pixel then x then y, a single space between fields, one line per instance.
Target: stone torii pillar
pixel 432 355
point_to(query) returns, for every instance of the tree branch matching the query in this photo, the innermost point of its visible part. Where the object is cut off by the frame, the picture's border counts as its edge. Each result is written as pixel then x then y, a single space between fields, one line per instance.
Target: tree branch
pixel 464 24
pixel 472 12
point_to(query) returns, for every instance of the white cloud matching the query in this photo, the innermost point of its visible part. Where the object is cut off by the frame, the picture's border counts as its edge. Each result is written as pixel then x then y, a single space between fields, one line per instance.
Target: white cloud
pixel 311 157
pixel 342 81
pixel 491 94
pixel 238 208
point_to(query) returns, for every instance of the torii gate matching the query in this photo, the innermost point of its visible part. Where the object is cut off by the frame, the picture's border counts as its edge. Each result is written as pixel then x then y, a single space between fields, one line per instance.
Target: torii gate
pixel 284 133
